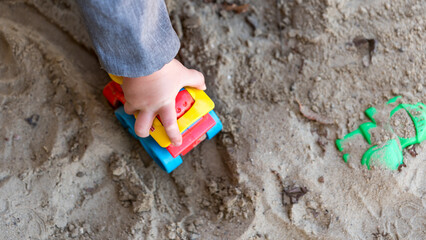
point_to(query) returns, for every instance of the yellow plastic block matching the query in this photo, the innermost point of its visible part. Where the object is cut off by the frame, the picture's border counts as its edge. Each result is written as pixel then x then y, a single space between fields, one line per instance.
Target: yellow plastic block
pixel 202 106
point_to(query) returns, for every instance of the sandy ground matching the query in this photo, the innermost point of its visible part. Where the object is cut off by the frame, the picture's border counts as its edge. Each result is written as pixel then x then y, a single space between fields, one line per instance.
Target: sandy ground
pixel 68 169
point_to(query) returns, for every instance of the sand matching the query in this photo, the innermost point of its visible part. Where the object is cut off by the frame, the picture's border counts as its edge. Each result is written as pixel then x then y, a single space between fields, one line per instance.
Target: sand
pixel 69 170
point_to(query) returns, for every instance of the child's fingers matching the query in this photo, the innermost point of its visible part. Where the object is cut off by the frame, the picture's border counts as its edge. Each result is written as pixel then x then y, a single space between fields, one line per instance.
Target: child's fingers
pixel 129 109
pixel 143 123
pixel 169 121
pixel 195 79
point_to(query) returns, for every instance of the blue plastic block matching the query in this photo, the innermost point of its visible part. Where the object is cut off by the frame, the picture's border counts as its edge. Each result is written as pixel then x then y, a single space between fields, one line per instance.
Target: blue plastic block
pixel 216 128
pixel 160 155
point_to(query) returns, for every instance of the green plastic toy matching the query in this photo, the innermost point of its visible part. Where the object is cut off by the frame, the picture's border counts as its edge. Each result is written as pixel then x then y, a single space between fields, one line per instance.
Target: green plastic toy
pixel 388 154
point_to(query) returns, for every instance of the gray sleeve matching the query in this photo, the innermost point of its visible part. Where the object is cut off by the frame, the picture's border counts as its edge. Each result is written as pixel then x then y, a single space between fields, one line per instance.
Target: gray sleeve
pixel 132 38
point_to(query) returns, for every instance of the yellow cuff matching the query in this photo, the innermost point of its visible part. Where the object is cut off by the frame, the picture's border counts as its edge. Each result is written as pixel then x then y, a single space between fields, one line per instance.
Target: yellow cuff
pixel 116 79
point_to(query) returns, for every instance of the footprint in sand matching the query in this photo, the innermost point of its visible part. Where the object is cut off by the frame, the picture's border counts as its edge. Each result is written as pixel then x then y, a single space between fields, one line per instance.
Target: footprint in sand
pixel 23 224
pixel 4 206
pixel 411 222
pixel 8 66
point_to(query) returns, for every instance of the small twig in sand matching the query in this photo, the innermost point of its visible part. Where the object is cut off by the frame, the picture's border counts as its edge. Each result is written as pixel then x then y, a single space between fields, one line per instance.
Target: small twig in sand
pixel 292 193
pixel 380 234
pixel 412 151
pixel 309 114
pixel 236 8
pixel 401 166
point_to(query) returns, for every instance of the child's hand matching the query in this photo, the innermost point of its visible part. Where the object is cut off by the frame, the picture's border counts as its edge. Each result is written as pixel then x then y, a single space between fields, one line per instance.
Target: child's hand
pixel 155 94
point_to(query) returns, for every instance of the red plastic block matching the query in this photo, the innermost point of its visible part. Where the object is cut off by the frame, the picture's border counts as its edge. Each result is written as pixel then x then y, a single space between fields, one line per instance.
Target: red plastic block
pixel 114 94
pixel 184 102
pixel 193 145
pixel 192 136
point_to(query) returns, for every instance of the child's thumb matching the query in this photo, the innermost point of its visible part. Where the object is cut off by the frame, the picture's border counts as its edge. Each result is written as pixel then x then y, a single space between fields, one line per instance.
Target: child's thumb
pixel 195 79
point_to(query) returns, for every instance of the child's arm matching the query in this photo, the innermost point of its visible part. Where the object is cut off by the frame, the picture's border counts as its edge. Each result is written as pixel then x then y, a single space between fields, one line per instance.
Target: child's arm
pixel 135 39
